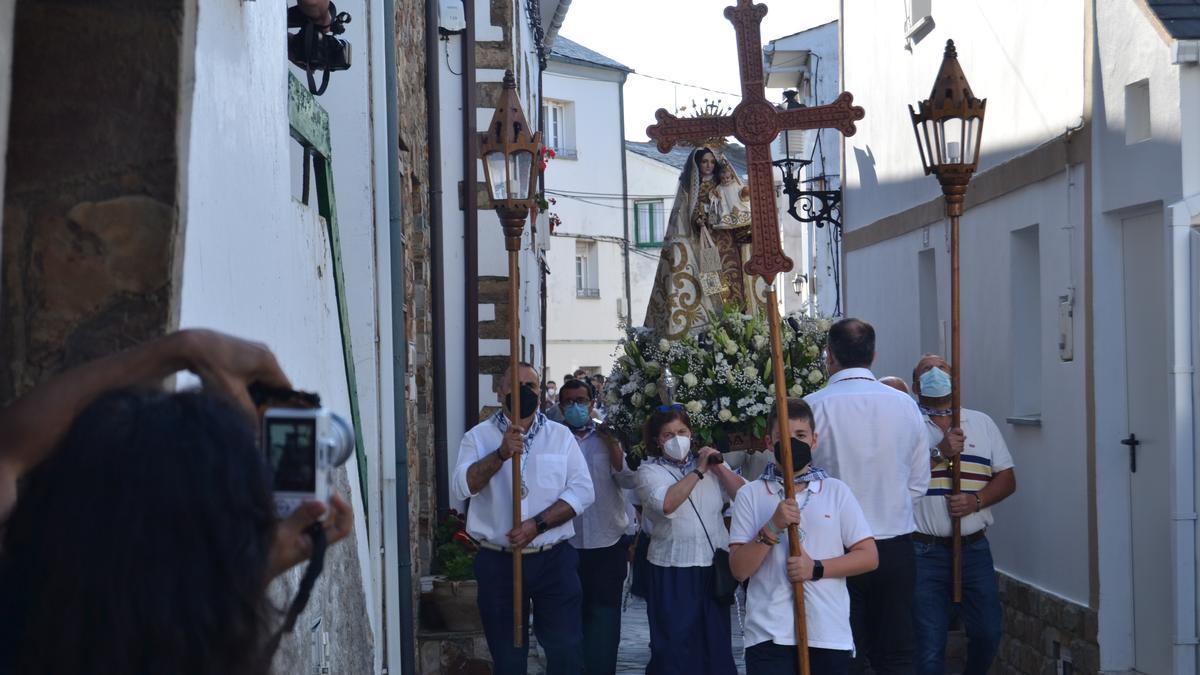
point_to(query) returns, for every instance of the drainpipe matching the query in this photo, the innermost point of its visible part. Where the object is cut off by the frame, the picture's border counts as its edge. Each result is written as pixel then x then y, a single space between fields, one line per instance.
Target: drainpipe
pixel 624 198
pixel 470 218
pixel 437 264
pixel 404 591
pixel 543 270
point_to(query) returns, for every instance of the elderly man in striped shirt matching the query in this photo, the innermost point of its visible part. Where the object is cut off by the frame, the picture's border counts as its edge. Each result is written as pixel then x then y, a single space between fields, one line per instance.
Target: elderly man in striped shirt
pixel 986 478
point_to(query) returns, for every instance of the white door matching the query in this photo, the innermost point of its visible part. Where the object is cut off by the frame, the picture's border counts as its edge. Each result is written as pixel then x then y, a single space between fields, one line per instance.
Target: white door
pixel 1147 354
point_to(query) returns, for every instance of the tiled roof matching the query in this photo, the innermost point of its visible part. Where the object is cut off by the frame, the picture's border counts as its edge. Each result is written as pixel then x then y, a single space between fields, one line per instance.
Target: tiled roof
pixel 573 52
pixel 1181 18
pixel 678 156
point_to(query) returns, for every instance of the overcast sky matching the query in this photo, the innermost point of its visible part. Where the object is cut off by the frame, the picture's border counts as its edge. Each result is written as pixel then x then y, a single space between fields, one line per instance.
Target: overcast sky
pixel 686 41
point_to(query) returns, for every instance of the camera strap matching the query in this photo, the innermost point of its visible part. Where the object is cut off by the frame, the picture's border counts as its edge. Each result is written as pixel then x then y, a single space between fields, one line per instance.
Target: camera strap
pixel 311 34
pixel 316 563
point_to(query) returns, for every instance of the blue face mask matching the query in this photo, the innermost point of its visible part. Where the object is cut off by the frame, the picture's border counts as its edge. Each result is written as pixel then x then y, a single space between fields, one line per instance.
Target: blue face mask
pixel 935 383
pixel 576 415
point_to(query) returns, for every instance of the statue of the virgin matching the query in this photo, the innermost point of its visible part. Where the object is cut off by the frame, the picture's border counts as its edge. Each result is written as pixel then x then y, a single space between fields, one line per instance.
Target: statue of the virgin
pixel 706 244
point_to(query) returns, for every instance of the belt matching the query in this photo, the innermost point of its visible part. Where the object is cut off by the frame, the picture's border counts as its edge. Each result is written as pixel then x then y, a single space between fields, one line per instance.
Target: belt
pixel 489 546
pixel 923 538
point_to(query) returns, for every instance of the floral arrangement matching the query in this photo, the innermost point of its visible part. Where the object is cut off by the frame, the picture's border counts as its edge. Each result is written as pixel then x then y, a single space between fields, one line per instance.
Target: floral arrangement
pixel 454 552
pixel 723 375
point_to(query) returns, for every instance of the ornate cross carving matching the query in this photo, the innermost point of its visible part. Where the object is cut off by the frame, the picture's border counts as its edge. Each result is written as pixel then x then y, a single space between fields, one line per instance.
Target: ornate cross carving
pixel 755 122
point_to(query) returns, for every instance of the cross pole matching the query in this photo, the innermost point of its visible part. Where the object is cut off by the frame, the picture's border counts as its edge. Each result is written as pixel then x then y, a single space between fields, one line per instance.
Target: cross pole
pixel 755 122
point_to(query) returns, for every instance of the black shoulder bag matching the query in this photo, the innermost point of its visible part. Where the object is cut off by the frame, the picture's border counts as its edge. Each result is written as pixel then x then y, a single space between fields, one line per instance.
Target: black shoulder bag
pixel 724 583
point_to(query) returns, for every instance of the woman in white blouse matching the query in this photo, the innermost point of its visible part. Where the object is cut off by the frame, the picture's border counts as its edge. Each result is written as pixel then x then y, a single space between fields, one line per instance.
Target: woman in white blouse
pixel 682 494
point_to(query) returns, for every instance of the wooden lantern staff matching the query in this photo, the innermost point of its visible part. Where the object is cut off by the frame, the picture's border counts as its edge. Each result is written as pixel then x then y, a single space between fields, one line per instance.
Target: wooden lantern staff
pixel 949 127
pixel 755 122
pixel 510 155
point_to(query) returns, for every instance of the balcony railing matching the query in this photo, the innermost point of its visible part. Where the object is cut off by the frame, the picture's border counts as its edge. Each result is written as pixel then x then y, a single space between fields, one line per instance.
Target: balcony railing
pixel 587 292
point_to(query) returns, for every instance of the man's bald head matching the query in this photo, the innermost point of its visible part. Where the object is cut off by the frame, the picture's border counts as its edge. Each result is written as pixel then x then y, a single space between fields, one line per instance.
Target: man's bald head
pixel 895 383
pixel 528 375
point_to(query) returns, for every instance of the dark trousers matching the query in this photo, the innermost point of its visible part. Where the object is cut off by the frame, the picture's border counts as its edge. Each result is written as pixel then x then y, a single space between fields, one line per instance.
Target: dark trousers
pixel 641 567
pixel 602 575
pixel 768 658
pixel 980 609
pixel 690 632
pixel 551 584
pixel 881 610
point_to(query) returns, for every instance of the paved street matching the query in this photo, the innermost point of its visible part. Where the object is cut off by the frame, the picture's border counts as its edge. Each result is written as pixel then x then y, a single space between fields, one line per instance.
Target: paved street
pixel 634 652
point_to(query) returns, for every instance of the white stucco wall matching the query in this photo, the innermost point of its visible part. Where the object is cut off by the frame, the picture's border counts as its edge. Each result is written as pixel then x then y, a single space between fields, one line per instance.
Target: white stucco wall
pixel 651 178
pixel 1004 50
pixel 256 262
pixel 587 188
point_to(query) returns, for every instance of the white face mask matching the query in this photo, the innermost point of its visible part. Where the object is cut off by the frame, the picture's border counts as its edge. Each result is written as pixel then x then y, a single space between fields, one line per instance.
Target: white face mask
pixel 677 447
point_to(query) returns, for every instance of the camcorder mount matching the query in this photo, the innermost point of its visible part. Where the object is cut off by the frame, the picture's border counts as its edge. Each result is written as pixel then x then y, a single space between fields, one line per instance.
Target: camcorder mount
pixel 314 48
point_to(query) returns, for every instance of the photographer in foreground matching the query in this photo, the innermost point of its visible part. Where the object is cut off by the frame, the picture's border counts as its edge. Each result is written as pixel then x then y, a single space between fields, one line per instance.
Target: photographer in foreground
pixel 144 536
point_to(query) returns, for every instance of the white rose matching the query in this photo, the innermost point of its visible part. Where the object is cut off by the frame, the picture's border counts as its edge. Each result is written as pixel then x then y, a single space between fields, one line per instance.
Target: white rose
pixel 724 415
pixel 815 376
pixel 653 368
pixel 796 390
pixel 664 345
pixel 637 400
pixel 650 389
pixel 694 407
pixel 812 351
pixel 760 341
pixel 750 372
pixel 690 380
pixel 731 347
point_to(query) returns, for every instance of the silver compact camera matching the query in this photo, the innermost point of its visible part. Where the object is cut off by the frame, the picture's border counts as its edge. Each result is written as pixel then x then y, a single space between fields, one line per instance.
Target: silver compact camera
pixel 303 445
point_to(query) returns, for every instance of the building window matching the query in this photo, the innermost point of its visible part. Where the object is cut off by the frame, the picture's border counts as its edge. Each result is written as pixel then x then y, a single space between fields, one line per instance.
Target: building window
pixel 1137 112
pixel 558 132
pixel 587 284
pixel 649 222
pixel 1025 278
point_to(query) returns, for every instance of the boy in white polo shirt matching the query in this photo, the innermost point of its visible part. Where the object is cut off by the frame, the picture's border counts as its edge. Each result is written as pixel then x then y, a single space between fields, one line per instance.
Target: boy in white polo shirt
pixel 836 543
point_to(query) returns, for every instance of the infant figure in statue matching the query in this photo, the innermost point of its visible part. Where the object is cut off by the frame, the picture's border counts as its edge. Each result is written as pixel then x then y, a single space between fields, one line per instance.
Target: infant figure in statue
pixel 730 201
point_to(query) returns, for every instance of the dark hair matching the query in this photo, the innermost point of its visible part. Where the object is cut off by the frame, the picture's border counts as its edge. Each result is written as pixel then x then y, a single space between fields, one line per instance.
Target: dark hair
pixel 797 409
pixel 654 424
pixel 576 384
pixel 142 544
pixel 852 343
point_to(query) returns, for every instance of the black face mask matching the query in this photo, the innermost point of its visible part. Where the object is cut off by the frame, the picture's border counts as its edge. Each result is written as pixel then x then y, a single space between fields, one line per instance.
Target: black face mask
pixel 529 402
pixel 801 454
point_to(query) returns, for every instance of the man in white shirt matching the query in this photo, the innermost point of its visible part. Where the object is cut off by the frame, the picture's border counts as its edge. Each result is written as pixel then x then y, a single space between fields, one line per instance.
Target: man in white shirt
pixel 873 439
pixel 836 543
pixel 555 487
pixel 600 531
pixel 986 478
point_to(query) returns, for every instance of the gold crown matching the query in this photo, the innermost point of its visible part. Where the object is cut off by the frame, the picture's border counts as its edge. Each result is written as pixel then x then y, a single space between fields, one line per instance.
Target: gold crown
pixel 709 108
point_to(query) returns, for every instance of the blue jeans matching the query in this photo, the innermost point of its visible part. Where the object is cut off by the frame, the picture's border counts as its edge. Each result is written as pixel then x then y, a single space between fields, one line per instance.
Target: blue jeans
pixel 551 587
pixel 980 609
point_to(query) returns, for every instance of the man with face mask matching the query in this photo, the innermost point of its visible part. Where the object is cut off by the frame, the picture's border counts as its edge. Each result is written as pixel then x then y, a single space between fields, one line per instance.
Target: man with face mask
pixel 600 538
pixel 987 477
pixel 555 487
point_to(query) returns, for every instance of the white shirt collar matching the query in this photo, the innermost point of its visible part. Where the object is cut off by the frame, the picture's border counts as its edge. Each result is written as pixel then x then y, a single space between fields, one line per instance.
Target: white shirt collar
pixel 848 373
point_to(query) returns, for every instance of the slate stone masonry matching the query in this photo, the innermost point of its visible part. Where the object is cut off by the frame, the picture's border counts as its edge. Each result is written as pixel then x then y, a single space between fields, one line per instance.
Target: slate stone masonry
pixel 1045 634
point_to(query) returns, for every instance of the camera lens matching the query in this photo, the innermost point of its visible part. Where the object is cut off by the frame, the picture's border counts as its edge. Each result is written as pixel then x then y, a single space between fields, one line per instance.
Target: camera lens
pixel 341 440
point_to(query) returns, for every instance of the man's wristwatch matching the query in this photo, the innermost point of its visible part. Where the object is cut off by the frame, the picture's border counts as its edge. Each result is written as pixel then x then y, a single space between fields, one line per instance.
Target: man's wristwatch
pixel 978 503
pixel 699 474
pixel 541 523
pixel 818 570
pixel 935 453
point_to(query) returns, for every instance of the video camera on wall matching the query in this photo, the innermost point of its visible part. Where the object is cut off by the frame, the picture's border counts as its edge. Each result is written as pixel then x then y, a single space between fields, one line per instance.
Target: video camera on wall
pixel 315 48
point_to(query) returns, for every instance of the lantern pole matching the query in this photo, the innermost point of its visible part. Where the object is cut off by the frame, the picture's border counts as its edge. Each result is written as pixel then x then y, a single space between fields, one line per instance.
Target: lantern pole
pixel 953 162
pixel 508 150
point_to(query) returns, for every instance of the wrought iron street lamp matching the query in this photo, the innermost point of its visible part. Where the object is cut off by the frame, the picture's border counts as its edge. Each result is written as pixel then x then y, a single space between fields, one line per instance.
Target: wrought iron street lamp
pixel 508 149
pixel 948 126
pixel 819 207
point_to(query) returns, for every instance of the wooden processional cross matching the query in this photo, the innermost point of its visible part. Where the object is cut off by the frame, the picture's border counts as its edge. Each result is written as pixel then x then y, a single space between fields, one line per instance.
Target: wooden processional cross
pixel 755 122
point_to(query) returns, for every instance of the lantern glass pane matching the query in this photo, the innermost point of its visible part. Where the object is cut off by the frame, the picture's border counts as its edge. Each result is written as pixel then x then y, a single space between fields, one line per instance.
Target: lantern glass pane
pixel 933 146
pixel 520 169
pixel 952 140
pixel 496 175
pixel 972 140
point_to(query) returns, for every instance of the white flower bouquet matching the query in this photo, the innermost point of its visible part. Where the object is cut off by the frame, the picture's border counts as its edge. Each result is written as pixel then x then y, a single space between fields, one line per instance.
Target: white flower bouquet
pixel 724 375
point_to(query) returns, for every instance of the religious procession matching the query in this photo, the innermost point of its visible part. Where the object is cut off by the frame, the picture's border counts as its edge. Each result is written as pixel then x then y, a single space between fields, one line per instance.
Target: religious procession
pixel 599 337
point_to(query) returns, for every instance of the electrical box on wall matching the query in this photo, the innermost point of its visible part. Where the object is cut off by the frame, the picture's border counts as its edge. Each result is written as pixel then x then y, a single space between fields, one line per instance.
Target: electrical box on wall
pixel 451 17
pixel 1066 326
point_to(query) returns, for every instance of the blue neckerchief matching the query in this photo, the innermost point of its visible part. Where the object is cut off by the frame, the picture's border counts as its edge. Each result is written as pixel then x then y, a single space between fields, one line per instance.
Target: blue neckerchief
pixel 935 412
pixel 687 467
pixel 500 419
pixel 813 474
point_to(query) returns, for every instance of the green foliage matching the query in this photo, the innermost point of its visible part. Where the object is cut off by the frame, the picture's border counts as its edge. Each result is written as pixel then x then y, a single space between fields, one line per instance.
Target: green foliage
pixel 454 552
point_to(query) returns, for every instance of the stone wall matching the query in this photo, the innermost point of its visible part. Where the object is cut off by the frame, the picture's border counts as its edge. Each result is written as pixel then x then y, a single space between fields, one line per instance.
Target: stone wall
pixel 89 215
pixel 414 161
pixel 1045 634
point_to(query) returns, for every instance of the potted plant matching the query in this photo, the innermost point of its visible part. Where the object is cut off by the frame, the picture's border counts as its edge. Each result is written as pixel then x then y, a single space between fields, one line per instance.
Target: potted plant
pixel 454 590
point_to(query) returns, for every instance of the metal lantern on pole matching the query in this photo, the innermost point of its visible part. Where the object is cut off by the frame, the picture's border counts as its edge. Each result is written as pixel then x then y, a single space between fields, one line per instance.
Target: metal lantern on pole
pixel 509 149
pixel 948 126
